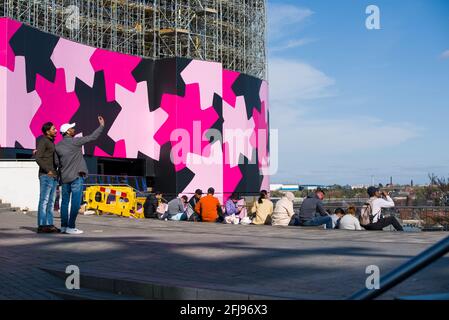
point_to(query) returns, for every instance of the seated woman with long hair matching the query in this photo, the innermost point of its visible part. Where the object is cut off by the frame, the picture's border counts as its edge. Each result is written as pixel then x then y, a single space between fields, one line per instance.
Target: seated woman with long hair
pixel 263 208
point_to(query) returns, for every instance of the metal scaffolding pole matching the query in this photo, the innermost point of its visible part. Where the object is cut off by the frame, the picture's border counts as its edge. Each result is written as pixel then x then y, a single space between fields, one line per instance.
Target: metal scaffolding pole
pixel 232 32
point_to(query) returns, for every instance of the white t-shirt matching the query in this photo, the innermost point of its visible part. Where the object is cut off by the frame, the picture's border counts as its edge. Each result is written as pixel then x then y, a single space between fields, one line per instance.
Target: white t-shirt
pixel 334 220
pixel 378 204
pixel 349 222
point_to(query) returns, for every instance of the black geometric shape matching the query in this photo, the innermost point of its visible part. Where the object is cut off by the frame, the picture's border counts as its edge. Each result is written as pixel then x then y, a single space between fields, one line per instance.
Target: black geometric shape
pixel 181 64
pixel 160 76
pixel 167 179
pixel 183 178
pixel 92 104
pixel 218 125
pixel 37 47
pixel 17 145
pixel 249 87
pixel 251 181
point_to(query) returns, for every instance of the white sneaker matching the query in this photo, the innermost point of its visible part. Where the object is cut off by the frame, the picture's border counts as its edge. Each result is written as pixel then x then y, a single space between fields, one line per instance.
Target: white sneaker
pixel 73 231
pixel 63 229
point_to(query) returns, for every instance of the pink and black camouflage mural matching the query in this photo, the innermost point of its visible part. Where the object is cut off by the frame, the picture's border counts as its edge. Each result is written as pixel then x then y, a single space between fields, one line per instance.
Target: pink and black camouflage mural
pixel 157 110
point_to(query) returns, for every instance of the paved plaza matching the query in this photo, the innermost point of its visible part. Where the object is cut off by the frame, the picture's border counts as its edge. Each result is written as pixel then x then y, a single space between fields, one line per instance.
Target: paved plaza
pixel 159 259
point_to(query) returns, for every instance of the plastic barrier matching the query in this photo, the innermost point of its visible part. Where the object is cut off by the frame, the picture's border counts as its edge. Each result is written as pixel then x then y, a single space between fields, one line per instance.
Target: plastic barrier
pixel 118 200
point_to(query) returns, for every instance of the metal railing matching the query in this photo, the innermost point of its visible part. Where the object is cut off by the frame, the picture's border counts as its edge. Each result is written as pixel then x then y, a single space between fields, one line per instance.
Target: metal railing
pixel 137 183
pixel 405 271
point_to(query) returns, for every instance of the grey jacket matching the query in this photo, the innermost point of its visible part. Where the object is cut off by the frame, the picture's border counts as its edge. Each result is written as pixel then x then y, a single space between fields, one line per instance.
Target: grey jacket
pixel 310 207
pixel 70 155
pixel 175 206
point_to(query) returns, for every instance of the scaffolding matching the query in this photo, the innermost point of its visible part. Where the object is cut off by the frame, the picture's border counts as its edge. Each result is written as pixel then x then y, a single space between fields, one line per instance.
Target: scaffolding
pixel 232 32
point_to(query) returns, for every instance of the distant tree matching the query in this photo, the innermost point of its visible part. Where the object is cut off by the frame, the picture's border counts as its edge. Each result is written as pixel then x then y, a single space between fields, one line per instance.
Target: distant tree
pixel 438 190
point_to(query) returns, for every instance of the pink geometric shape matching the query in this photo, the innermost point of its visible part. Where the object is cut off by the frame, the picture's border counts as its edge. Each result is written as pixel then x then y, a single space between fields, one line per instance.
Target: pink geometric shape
pixel 265 183
pixel 119 151
pixel 237 131
pixel 207 170
pixel 7 30
pixel 58 106
pixel 3 75
pixel 259 138
pixel 74 59
pixel 21 107
pixel 229 78
pixel 136 124
pixel 232 175
pixel 117 69
pixel 209 77
pixel 185 113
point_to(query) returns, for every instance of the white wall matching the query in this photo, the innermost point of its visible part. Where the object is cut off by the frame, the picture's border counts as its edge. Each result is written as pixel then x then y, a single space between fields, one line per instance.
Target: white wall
pixel 19 183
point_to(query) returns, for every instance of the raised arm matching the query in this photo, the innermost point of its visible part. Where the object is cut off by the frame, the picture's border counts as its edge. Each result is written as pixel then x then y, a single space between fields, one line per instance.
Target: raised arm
pixel 386 203
pixel 93 136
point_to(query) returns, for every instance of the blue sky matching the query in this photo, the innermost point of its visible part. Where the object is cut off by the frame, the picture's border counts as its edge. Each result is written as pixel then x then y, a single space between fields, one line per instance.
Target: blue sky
pixel 350 102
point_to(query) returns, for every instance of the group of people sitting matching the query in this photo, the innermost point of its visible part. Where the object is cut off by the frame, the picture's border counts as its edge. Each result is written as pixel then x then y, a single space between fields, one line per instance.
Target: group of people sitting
pixel 264 212
pixel 313 213
pixel 207 208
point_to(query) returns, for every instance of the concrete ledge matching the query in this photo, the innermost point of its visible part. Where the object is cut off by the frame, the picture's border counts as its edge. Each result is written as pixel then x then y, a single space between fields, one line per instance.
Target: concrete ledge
pixel 154 291
pixel 88 294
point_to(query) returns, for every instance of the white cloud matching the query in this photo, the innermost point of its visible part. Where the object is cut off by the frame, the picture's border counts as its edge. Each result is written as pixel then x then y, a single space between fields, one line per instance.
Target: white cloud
pixel 309 144
pixel 291 44
pixel 292 81
pixel 281 16
pixel 445 54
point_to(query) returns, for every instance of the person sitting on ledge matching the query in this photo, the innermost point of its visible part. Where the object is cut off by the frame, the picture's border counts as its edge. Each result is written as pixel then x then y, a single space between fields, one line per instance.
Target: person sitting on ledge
pixel 209 207
pixel 336 217
pixel 177 209
pixel 263 208
pixel 283 211
pixel 349 221
pixel 371 216
pixel 312 212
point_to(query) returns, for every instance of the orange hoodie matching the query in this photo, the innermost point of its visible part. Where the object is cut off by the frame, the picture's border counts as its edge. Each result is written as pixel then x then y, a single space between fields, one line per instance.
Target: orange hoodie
pixel 207 208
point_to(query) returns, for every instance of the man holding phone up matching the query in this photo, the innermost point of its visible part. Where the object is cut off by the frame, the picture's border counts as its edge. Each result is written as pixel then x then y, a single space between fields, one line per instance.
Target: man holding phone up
pixel 73 170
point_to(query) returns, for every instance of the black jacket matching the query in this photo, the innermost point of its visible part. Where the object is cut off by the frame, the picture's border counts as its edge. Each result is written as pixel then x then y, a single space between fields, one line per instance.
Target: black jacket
pixel 193 202
pixel 150 206
pixel 45 156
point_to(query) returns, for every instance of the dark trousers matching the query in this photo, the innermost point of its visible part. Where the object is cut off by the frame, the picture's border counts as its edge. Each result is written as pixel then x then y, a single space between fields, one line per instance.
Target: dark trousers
pixel 384 222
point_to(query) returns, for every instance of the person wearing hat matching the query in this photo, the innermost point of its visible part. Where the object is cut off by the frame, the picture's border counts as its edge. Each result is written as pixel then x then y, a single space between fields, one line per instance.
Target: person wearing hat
pixel 73 170
pixel 192 203
pixel 377 201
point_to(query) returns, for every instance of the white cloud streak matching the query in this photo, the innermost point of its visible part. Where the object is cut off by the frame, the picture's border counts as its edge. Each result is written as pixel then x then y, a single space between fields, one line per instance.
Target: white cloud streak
pixel 445 54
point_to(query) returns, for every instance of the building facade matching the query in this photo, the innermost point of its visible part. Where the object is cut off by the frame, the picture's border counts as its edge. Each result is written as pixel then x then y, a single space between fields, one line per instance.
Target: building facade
pixel 182 123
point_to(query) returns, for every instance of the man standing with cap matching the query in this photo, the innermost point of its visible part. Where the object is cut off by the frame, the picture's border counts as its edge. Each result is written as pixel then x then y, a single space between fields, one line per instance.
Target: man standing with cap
pixel 73 170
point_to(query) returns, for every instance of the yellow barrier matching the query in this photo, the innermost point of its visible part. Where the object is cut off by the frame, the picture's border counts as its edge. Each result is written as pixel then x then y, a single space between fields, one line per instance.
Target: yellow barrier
pixel 117 200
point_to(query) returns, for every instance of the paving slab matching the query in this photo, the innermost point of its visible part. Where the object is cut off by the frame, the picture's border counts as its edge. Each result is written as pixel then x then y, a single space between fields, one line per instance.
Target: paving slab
pixel 243 261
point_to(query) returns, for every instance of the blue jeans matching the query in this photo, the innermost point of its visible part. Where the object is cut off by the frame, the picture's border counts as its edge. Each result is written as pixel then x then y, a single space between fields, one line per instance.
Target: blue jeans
pixel 75 190
pixel 318 221
pixel 178 217
pixel 46 200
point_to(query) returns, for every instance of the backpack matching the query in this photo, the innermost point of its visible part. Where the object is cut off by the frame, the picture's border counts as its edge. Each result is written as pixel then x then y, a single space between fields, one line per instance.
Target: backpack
pixel 366 214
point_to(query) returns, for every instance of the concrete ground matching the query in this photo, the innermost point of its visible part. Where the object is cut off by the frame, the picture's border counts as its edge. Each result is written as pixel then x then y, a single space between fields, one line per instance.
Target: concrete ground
pixel 158 259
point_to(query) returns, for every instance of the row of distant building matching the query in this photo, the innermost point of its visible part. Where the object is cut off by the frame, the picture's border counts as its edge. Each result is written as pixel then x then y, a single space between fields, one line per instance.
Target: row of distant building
pixel 295 187
pixel 312 187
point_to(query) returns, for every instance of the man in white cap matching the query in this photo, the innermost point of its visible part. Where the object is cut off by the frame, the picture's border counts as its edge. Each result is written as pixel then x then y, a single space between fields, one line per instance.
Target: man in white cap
pixel 73 170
